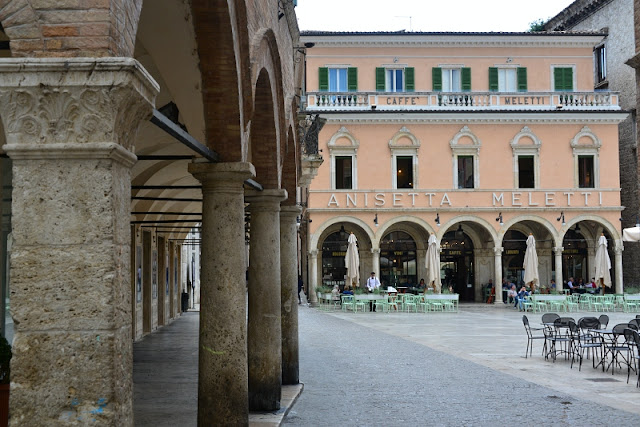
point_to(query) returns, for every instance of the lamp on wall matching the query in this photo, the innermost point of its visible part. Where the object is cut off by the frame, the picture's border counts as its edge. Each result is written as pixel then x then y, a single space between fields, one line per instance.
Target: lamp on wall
pixel 459 232
pixel 499 219
pixel 343 232
pixel 437 219
pixel 577 229
pixel 375 220
pixel 561 217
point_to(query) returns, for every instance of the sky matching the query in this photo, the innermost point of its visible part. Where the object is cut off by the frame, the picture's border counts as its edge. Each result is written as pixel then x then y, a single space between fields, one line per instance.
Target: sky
pixel 425 15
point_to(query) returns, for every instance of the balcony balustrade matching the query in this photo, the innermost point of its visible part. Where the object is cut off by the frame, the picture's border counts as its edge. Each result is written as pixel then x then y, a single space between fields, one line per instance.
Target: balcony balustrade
pixel 343 101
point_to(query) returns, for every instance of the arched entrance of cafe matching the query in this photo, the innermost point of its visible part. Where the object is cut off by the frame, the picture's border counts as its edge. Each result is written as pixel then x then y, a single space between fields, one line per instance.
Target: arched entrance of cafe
pixel 515 245
pixel 457 264
pixel 398 260
pixel 575 256
pixel 334 249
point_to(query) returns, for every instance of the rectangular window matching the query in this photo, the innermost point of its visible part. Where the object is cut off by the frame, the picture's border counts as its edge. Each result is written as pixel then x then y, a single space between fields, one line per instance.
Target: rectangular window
pixel 601 63
pixel 451 80
pixel 563 79
pixel 404 172
pixel 338 79
pixel 465 172
pixel 394 81
pixel 586 172
pixel 526 174
pixel 344 179
pixel 507 80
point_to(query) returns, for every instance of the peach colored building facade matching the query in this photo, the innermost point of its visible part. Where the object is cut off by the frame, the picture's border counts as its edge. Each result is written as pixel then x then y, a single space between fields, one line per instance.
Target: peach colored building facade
pixel 481 139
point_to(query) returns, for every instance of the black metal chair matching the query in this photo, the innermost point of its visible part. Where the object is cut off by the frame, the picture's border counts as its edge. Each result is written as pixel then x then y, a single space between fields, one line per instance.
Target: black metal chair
pixel 559 337
pixel 634 324
pixel 615 347
pixel 632 339
pixel 549 318
pixel 582 339
pixel 531 337
pixel 604 321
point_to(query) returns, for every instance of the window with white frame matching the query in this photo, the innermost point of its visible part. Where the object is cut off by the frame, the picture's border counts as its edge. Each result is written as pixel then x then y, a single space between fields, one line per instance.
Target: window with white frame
pixel 343 149
pixel 395 79
pixel 404 159
pixel 451 79
pixel 507 79
pixel 563 78
pixel 526 159
pixel 338 79
pixel 465 148
pixel 586 159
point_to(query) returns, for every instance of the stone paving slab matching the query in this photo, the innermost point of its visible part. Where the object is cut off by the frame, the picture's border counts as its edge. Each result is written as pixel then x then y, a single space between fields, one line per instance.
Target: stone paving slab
pixel 465 368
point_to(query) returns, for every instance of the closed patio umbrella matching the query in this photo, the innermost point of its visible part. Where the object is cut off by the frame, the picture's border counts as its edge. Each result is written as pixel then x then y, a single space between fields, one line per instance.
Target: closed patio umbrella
pixel 531 263
pixel 352 262
pixel 603 263
pixel 433 264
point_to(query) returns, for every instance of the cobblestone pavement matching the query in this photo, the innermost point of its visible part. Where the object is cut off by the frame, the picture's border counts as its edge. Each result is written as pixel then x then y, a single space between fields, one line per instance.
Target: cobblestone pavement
pixel 376 369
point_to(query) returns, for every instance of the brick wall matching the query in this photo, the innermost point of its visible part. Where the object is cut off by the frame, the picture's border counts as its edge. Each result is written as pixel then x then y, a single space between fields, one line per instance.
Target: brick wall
pixel 73 28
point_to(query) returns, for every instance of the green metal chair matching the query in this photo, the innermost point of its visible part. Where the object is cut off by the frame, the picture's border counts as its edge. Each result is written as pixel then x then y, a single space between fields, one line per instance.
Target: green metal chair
pixel 381 305
pixel 410 303
pixel 360 303
pixel 348 302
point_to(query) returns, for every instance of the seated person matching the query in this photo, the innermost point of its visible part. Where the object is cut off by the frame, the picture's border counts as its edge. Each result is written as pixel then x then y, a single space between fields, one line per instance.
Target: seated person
pixel 335 293
pixel 347 291
pixel 422 285
pixel 570 285
pixel 522 296
pixel 512 294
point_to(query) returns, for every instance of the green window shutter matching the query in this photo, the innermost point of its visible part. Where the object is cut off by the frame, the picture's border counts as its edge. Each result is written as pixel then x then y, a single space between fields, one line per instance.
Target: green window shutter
pixel 323 79
pixel 493 79
pixel 568 78
pixel 380 83
pixel 563 78
pixel 465 79
pixel 352 79
pixel 436 78
pixel 558 79
pixel 522 79
pixel 409 79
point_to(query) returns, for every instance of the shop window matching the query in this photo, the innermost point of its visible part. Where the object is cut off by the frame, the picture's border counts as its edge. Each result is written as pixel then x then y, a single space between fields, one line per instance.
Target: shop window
pixel 395 79
pixel 526 172
pixel 404 172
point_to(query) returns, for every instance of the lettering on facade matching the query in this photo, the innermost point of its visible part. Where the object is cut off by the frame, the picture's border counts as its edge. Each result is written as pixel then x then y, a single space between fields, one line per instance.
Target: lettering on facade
pixel 512 252
pixel 524 100
pixel 402 100
pixel 398 252
pixel 512 199
pixel 338 254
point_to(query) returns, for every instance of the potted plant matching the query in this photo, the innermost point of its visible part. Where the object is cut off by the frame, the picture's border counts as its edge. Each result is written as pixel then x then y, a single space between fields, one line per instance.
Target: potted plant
pixel 5 366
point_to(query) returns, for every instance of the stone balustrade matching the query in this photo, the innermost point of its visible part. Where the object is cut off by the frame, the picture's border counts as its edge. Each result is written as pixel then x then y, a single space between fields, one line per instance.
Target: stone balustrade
pixel 341 101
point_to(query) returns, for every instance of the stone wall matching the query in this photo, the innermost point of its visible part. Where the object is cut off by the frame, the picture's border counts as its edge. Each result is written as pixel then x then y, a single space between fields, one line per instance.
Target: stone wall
pixel 616 16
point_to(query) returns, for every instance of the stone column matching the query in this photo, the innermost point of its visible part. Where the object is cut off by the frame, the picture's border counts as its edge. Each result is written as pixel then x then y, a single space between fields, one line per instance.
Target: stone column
pixel 618 263
pixel 376 262
pixel 289 292
pixel 222 359
pixel 264 345
pixel 313 277
pixel 558 254
pixel 70 128
pixel 497 265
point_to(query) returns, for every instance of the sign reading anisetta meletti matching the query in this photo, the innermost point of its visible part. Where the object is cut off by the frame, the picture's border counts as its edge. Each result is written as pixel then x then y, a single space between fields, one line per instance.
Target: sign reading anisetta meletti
pixel 427 199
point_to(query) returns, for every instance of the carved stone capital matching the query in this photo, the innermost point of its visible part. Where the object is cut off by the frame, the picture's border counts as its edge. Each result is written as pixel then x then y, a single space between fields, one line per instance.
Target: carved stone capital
pixel 58 104
pixel 498 251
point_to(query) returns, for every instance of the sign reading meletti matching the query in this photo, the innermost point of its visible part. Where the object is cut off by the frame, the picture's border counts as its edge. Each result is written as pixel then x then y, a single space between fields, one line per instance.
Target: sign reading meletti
pixel 464 199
